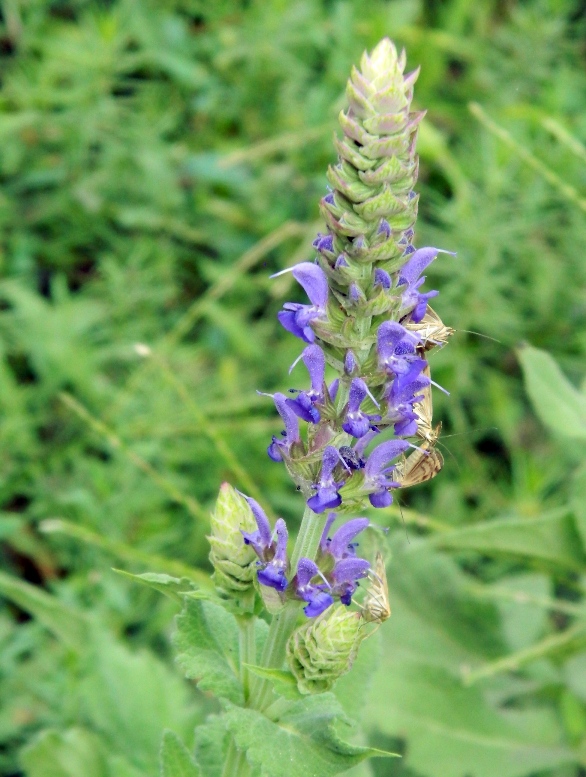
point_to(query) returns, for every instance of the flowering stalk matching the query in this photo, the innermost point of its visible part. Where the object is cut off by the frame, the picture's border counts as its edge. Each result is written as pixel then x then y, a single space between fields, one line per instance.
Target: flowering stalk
pixel 368 319
pixel 366 329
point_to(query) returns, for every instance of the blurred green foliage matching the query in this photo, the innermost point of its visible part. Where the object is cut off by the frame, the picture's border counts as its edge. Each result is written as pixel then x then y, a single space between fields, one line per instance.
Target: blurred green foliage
pixel 158 161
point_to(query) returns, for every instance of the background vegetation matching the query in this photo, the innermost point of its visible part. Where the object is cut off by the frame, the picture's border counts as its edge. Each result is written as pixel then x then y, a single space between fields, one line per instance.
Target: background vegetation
pixel 159 159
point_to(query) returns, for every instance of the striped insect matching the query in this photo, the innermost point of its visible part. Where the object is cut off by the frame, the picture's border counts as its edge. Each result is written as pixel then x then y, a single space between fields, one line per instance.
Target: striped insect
pixel 422 465
pixel 376 607
pixel 431 329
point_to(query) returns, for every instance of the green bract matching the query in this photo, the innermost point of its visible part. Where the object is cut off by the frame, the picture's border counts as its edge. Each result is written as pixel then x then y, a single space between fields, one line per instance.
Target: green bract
pixel 322 650
pixel 234 562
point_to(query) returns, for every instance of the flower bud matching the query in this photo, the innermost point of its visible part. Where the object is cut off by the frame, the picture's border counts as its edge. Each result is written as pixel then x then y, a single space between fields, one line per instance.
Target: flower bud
pixel 323 649
pixel 234 562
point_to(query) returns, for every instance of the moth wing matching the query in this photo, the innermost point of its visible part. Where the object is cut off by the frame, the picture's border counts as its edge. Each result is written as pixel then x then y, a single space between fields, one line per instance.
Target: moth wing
pixel 421 466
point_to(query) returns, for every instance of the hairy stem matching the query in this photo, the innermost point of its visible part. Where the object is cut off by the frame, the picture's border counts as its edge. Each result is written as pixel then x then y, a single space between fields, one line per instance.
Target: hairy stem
pixel 235 764
pixel 284 622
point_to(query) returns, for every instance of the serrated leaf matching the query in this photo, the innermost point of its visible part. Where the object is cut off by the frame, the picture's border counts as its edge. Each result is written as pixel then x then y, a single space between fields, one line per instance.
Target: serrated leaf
pixel 207 643
pixel 302 743
pixel 132 698
pixel 210 745
pixel 451 730
pixel 551 538
pixel 69 753
pixel 559 405
pixel 173 587
pixel 66 624
pixel 175 758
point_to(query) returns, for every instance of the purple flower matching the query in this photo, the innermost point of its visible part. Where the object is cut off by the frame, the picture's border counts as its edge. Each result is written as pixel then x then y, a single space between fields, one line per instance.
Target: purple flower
pixel 350 363
pixel 316 595
pixel 340 546
pixel 260 539
pixel 273 573
pixel 397 347
pixel 324 242
pixel 377 479
pixel 343 578
pixel 327 496
pixel 384 228
pixel 382 278
pixel 304 404
pixel 358 423
pixel 272 558
pixel 403 393
pixel 291 433
pixel 295 317
pixel 411 298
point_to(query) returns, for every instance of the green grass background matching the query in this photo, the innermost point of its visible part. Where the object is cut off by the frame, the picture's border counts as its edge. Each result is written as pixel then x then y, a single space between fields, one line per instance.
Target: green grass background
pixel 158 161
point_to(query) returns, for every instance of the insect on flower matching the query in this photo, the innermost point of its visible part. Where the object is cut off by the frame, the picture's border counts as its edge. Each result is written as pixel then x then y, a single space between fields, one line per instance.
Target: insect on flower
pixel 376 607
pixel 431 329
pixel 422 465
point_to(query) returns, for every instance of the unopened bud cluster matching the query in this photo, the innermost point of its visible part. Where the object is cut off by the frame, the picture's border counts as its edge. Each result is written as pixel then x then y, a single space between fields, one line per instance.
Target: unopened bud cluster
pixel 324 649
pixel 234 562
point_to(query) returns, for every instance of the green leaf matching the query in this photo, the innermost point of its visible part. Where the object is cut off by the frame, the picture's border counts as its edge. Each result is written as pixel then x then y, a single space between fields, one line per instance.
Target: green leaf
pixel 132 698
pixel 550 538
pixel 175 758
pixel 301 743
pixel 173 587
pixel 70 753
pixel 575 675
pixel 283 682
pixel 66 624
pixel 523 623
pixel 210 745
pixel 432 605
pixel 452 731
pixel 207 643
pixel 558 404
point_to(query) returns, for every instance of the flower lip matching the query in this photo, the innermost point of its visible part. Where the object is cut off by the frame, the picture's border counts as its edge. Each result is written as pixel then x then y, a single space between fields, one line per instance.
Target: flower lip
pixel 262 538
pixel 340 546
pixel 317 596
pixel 377 472
pixel 273 573
pixel 279 448
pixel 327 496
pixel 295 317
pixel 356 422
pixel 304 404
pixel 396 347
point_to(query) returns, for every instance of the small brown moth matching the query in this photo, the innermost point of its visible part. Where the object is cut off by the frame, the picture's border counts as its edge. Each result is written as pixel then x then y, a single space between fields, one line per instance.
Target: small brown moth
pixel 424 410
pixel 376 607
pixel 431 330
pixel 422 465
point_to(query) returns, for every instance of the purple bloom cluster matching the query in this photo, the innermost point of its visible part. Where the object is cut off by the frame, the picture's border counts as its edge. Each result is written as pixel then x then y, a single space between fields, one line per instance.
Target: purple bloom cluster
pixel 335 575
pixel 383 395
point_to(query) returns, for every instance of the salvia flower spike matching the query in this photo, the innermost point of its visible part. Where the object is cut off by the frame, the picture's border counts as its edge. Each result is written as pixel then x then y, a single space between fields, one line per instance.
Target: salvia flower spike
pixel 345 437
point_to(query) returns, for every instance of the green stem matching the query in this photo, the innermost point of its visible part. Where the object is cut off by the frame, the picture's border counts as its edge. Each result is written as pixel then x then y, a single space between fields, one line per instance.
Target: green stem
pixel 247 642
pixel 236 764
pixel 284 622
